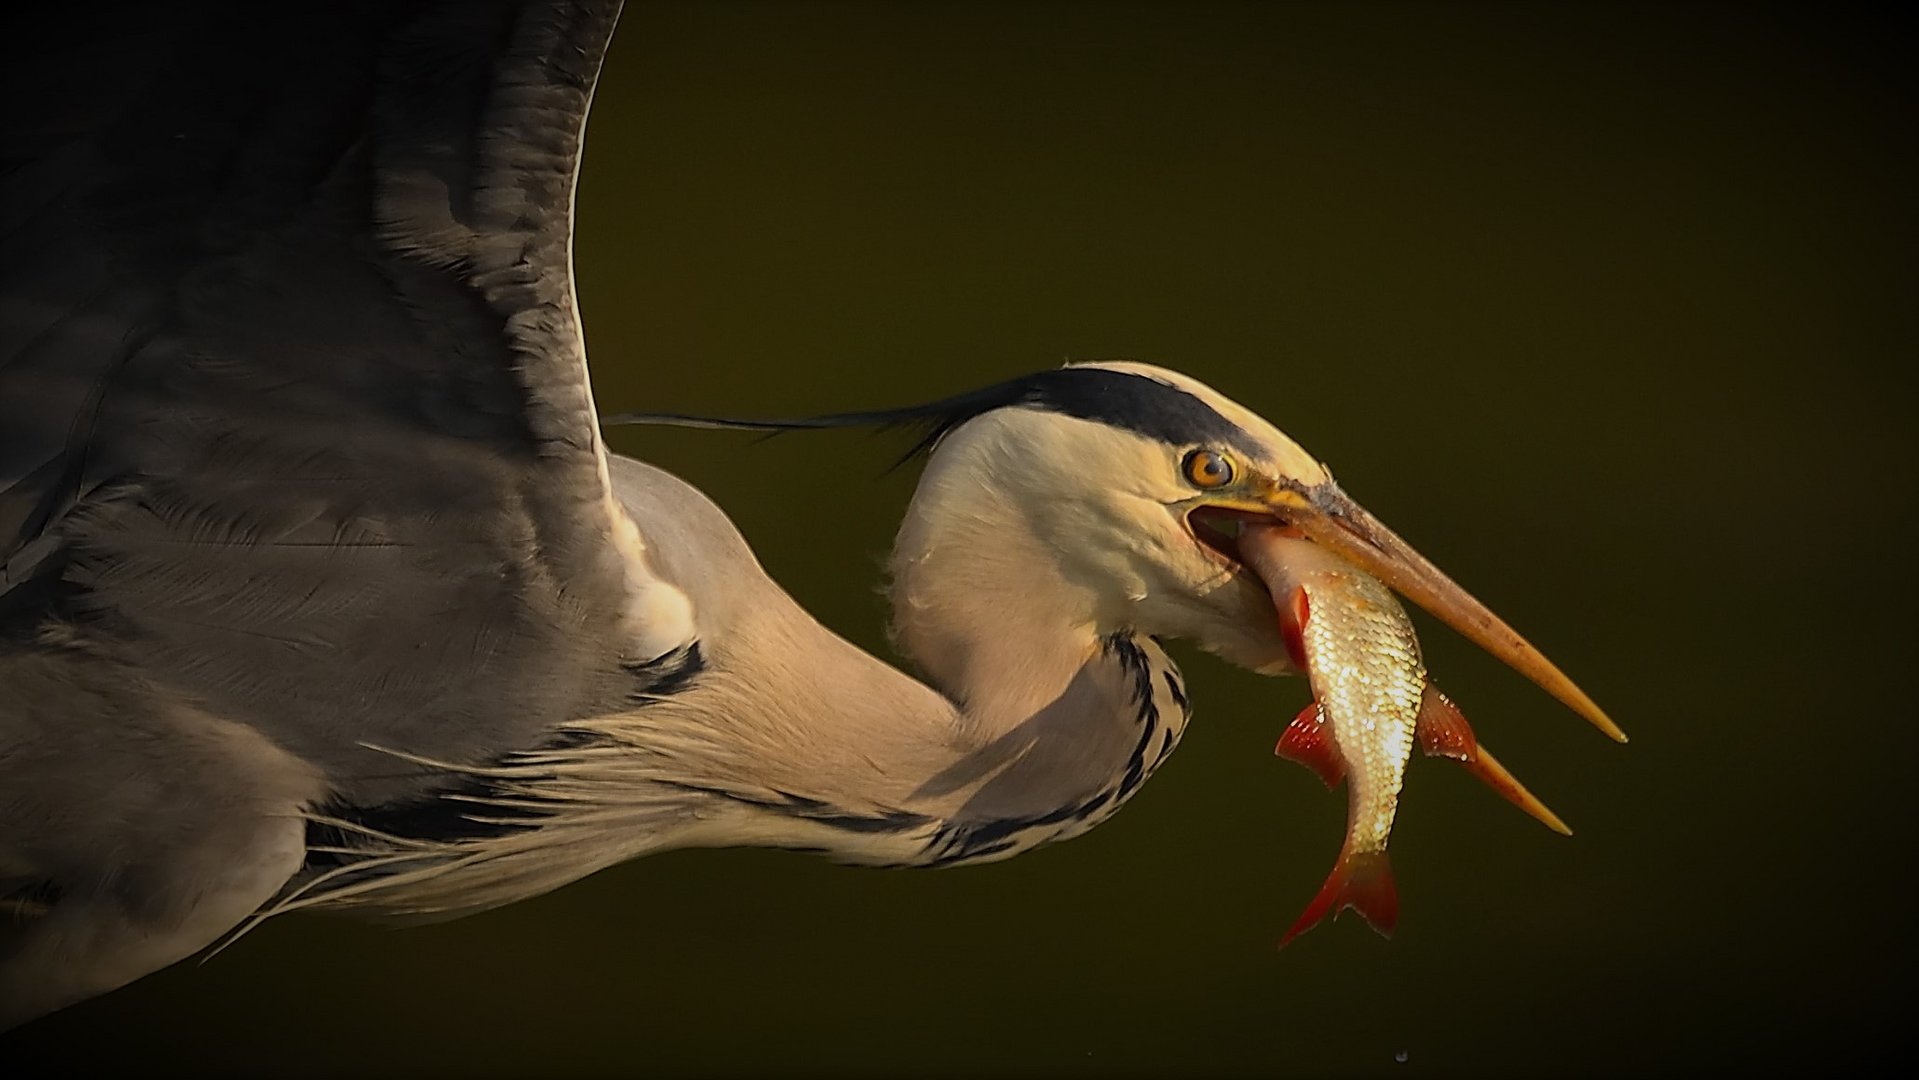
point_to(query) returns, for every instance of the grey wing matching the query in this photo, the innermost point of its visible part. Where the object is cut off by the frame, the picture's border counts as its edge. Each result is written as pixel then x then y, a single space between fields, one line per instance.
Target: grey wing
pixel 294 414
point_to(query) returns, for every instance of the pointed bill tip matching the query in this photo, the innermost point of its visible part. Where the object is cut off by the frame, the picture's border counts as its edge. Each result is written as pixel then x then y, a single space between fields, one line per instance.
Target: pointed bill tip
pixel 1444 732
pixel 1518 653
pixel 1345 527
pixel 1576 699
pixel 1494 775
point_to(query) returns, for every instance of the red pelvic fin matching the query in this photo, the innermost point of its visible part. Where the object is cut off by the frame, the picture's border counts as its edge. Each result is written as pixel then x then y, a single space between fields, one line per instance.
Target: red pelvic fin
pixel 1294 610
pixel 1306 742
pixel 1363 882
pixel 1443 730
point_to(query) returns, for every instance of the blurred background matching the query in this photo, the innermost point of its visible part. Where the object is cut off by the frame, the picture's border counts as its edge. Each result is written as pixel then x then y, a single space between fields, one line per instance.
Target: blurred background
pixel 1605 307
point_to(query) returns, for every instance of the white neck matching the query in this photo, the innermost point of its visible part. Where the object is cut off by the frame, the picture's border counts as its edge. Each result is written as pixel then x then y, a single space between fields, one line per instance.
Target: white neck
pixel 1041 725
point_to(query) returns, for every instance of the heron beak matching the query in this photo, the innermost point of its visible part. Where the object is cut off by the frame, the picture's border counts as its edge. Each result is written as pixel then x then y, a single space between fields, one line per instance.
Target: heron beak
pixel 1326 516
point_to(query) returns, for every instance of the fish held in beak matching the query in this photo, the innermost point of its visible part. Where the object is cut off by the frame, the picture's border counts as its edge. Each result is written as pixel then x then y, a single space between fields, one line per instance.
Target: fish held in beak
pixel 1325 515
pixel 1372 702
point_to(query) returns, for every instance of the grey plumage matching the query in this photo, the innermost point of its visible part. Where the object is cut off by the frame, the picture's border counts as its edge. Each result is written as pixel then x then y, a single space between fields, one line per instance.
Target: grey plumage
pixel 194 417
pixel 304 521
pixel 295 424
pixel 321 589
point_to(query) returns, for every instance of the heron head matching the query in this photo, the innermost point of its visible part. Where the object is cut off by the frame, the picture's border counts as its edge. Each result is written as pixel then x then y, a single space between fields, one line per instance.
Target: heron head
pixel 1112 495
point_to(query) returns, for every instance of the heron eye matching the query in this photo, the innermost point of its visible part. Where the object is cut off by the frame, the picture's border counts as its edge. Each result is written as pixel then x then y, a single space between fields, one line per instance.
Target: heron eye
pixel 1207 469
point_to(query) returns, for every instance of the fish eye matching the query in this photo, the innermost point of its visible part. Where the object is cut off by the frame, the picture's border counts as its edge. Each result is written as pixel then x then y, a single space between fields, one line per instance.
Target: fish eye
pixel 1208 469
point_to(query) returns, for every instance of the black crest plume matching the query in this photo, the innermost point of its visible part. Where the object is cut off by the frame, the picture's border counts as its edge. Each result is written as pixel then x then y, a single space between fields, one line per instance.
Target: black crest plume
pixel 1121 399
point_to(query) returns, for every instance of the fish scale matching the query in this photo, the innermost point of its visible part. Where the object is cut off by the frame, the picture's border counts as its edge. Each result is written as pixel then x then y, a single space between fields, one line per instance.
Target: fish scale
pixel 1345 629
pixel 1368 677
pixel 1372 702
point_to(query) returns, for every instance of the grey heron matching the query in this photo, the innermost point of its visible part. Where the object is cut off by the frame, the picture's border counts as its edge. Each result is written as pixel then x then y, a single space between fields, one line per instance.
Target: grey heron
pixel 322 589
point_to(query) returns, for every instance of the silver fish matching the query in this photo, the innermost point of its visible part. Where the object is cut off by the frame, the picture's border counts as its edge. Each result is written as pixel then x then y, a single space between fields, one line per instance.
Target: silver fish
pixel 1372 702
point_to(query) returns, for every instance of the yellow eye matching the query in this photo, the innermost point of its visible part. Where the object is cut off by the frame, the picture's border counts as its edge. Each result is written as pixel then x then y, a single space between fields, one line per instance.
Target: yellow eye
pixel 1207 469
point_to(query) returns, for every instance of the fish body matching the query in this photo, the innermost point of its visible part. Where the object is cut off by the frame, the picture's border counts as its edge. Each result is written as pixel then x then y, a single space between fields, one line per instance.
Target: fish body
pixel 1372 702
pixel 1349 634
pixel 1367 676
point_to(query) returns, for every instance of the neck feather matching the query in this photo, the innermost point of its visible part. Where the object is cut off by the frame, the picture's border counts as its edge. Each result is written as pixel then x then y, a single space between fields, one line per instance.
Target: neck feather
pixel 1038 723
pixel 1044 722
pixel 776 732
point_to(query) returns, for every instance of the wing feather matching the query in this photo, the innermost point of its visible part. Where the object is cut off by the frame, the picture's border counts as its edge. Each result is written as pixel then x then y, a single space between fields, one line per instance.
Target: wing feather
pixel 294 409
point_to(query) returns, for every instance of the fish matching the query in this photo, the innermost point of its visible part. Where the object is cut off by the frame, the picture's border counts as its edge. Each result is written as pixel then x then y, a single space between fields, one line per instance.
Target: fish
pixel 1373 701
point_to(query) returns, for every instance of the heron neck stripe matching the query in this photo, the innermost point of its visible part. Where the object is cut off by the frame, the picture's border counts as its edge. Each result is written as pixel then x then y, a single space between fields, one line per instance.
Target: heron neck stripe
pixel 963 842
pixel 446 817
pixel 666 674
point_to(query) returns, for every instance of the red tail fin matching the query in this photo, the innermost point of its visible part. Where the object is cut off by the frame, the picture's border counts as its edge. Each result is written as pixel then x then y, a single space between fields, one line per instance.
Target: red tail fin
pixel 1363 882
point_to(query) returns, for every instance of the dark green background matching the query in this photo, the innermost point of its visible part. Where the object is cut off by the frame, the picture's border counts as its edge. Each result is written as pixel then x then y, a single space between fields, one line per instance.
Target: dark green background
pixel 1601 306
